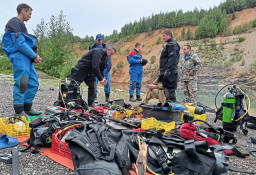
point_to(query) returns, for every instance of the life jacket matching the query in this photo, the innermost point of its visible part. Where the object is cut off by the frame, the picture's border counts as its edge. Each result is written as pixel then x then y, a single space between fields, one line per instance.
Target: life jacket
pixel 96 144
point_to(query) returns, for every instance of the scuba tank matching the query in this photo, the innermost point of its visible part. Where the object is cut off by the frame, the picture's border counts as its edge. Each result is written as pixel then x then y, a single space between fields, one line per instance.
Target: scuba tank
pixel 232 112
pixel 229 103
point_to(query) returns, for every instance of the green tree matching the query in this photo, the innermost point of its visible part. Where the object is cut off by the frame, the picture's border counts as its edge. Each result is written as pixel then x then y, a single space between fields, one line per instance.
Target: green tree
pixel 223 24
pixel 54 46
pixel 183 33
pixel 209 26
pixel 150 31
pixel 189 35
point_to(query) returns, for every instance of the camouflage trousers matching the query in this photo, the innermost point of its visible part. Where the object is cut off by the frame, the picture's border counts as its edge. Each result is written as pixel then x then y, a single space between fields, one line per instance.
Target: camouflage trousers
pixel 155 93
pixel 190 91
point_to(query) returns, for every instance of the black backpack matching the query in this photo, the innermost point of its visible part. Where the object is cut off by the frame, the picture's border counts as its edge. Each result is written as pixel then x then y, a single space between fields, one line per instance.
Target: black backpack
pixel 70 92
pixel 41 133
pixel 98 149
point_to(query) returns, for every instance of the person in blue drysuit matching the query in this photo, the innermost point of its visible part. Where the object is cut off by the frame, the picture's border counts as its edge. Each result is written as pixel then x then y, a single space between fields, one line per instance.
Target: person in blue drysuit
pixel 99 44
pixel 20 48
pixel 136 72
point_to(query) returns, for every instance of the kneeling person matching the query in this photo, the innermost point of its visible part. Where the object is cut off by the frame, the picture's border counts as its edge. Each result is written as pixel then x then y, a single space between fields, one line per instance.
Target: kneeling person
pixel 156 91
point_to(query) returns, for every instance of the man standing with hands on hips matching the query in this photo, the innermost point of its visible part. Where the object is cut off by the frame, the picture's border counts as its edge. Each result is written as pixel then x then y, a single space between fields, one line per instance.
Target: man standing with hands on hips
pixel 20 48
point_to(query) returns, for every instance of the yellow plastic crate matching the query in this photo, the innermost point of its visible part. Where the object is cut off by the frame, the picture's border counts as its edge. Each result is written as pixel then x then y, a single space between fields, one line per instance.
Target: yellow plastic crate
pixel 151 123
pixel 16 129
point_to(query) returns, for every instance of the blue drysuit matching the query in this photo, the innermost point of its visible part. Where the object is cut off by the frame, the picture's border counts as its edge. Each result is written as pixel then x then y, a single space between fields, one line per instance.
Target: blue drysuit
pixel 19 47
pixel 107 76
pixel 106 71
pixel 136 73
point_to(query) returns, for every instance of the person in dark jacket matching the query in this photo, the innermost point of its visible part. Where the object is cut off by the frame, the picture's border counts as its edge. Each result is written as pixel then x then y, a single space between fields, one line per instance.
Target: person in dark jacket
pixel 169 60
pixel 20 47
pixel 92 65
pixel 99 44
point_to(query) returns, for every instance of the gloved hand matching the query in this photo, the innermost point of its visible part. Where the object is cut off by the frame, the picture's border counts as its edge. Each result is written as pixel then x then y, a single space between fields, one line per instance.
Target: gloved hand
pixel 144 62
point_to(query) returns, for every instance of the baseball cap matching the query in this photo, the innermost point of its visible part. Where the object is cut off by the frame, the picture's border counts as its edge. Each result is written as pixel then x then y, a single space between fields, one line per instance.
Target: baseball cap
pixel 99 36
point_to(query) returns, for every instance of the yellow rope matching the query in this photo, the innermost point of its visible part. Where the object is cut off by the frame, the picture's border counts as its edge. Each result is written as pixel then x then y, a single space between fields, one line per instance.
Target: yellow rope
pixel 249 105
pixel 62 96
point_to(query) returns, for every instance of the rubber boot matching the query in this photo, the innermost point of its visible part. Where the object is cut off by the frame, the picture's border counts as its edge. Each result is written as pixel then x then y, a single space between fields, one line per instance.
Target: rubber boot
pixel 29 111
pixel 132 99
pixel 96 99
pixel 19 110
pixel 138 98
pixel 107 98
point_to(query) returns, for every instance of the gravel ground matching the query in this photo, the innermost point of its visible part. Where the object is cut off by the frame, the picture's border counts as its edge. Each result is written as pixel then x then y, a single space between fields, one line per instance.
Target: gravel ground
pixel 46 96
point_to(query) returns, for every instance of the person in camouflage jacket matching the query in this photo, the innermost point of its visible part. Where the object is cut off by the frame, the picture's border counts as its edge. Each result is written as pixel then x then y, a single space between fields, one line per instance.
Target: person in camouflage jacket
pixel 190 65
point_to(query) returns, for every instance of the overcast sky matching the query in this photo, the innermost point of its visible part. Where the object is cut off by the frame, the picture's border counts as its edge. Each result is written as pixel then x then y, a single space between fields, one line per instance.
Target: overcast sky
pixel 97 16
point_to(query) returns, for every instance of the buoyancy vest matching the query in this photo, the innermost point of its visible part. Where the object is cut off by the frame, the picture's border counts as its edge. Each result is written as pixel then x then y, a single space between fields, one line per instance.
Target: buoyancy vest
pixel 100 144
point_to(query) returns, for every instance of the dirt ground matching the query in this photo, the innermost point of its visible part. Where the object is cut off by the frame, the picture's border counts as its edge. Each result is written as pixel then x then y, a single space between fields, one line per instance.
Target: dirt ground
pixel 47 95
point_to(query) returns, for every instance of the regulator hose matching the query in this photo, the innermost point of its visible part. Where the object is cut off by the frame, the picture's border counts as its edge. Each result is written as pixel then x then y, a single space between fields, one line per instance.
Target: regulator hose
pixel 248 107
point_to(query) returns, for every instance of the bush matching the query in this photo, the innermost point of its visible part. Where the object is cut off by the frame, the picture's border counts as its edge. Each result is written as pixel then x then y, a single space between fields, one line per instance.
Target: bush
pixel 254 64
pixel 157 66
pixel 243 63
pixel 126 51
pixel 241 39
pixel 6 65
pixel 85 46
pixel 227 63
pixel 152 59
pixel 222 45
pixel 241 29
pixel 213 44
pixel 239 57
pixel 159 40
pixel 254 23
pixel 227 32
pixel 120 64
pixel 114 69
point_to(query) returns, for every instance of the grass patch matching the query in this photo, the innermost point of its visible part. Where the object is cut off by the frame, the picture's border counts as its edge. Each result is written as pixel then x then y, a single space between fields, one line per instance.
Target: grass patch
pixel 227 63
pixel 152 59
pixel 241 39
pixel 120 64
pixel 114 69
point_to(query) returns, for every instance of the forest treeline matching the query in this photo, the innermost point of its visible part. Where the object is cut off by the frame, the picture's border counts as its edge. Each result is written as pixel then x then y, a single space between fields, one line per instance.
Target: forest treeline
pixel 210 22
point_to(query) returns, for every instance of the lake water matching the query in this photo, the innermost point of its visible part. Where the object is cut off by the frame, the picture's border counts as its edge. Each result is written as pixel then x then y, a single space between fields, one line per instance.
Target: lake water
pixel 206 94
